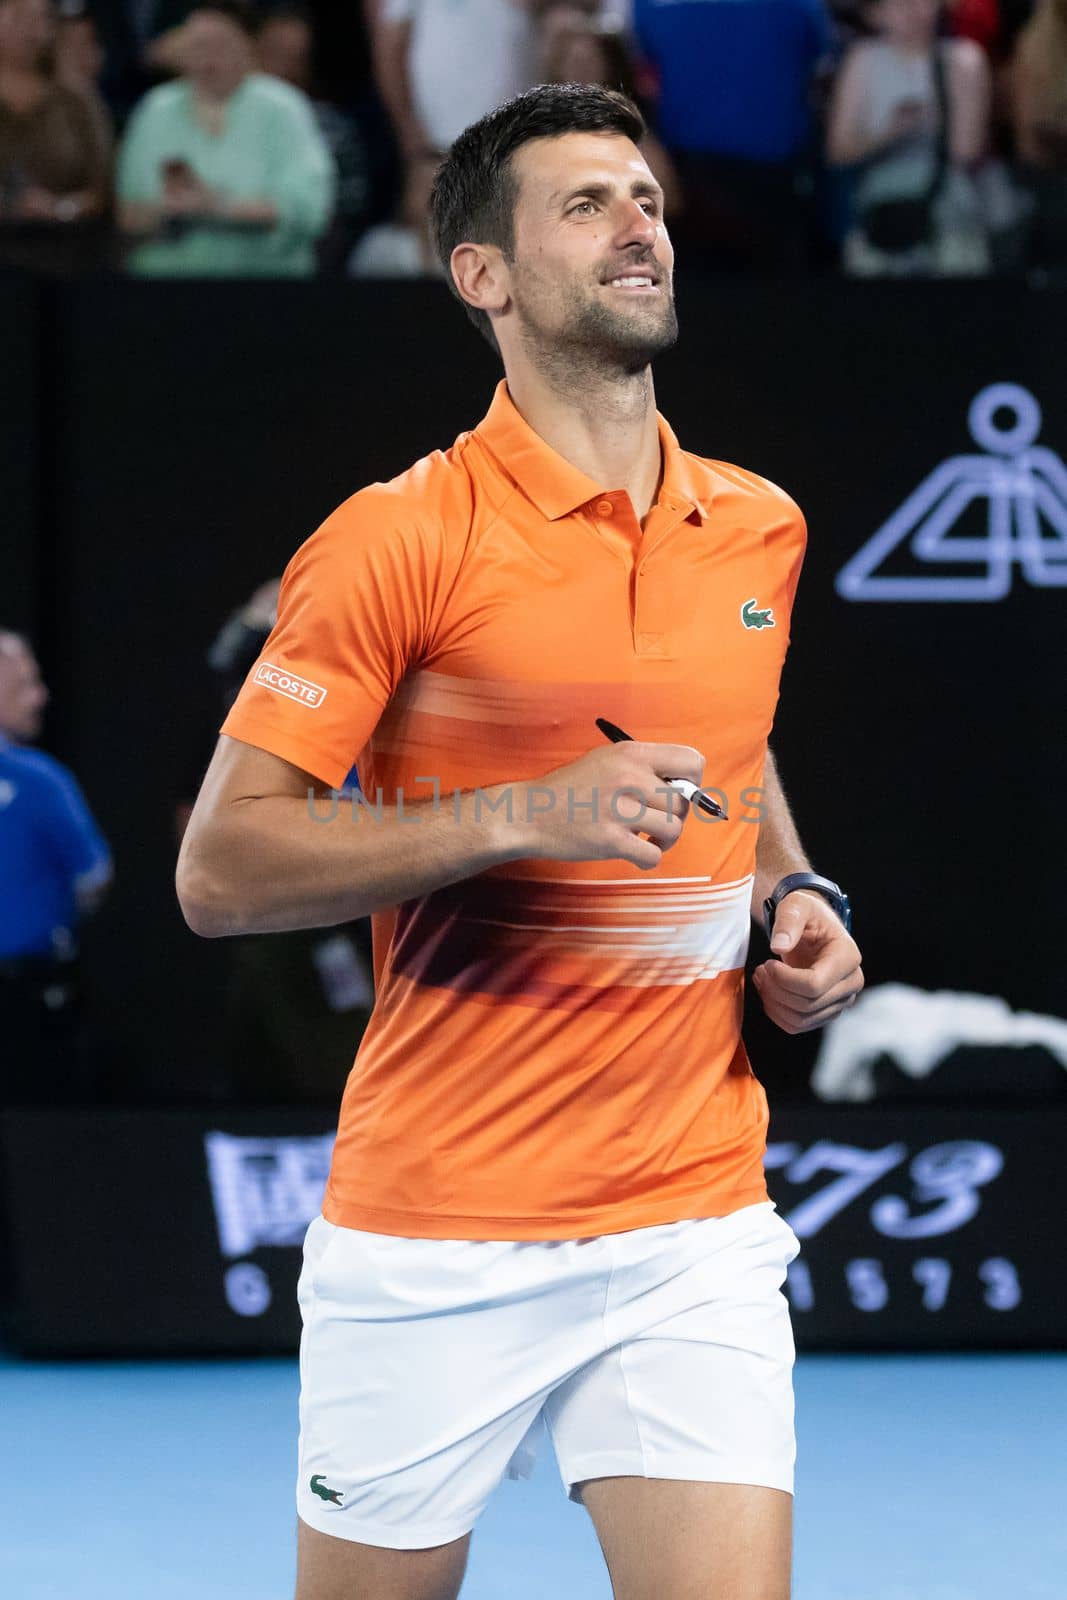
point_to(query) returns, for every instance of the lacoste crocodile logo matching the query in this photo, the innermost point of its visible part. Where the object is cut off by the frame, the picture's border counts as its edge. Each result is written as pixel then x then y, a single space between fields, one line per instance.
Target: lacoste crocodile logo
pixel 752 617
pixel 318 1487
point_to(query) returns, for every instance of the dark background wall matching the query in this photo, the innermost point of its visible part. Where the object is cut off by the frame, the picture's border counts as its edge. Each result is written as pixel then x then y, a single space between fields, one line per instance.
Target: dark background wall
pixel 188 437
pixel 19 399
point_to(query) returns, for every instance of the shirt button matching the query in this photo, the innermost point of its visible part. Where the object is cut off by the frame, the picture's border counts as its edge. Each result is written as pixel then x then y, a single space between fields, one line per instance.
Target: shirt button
pixel 604 508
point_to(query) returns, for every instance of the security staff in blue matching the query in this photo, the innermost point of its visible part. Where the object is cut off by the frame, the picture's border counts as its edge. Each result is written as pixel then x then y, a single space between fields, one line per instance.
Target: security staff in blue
pixel 54 869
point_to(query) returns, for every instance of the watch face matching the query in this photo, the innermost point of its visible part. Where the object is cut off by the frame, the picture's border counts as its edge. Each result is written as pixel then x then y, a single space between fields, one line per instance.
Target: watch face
pixel 843 909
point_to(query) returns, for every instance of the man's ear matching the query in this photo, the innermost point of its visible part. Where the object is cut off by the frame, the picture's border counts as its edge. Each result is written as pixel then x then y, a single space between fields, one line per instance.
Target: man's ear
pixel 480 273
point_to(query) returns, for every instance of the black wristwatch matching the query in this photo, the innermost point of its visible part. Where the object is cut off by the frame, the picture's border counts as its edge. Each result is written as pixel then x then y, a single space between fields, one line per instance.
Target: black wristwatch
pixel 807 880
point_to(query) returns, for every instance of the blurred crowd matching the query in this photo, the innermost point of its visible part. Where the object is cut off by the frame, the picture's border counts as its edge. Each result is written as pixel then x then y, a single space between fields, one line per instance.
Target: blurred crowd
pixel 201 137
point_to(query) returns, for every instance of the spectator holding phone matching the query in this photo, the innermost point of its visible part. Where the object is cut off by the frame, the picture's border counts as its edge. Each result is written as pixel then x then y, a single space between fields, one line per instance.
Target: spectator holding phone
pixel 224 171
pixel 910 118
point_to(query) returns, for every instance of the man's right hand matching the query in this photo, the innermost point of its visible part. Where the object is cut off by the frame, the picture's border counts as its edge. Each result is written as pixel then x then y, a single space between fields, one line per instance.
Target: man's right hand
pixel 258 858
pixel 598 807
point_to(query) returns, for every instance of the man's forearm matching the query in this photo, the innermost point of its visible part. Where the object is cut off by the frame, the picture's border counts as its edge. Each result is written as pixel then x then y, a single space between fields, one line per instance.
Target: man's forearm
pixel 778 849
pixel 279 862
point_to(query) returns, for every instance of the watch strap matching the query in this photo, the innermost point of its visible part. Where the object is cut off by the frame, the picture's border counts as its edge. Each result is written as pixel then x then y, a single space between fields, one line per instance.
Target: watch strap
pixel 829 890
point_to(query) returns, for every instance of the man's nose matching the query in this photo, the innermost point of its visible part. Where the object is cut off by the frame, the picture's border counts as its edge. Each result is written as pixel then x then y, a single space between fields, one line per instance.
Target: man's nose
pixel 636 225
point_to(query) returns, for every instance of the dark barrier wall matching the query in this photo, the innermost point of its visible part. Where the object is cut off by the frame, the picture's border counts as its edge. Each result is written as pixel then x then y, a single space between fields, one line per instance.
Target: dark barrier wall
pixel 180 1231
pixel 196 434
pixel 20 331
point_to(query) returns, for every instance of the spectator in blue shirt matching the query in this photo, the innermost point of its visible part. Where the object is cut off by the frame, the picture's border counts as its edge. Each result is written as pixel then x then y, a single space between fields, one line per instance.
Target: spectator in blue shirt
pixel 735 112
pixel 54 868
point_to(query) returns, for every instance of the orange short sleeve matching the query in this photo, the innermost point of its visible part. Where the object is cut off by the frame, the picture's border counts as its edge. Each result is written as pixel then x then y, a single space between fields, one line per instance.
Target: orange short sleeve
pixel 352 618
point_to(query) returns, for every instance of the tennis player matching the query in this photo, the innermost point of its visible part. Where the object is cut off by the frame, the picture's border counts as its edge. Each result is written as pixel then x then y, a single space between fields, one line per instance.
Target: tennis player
pixel 546 1202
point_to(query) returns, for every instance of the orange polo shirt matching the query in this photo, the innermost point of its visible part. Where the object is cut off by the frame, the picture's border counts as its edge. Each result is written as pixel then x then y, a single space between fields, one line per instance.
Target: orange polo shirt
pixel 555 1047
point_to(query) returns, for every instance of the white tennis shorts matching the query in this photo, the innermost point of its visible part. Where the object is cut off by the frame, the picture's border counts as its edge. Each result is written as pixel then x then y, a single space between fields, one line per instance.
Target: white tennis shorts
pixel 426 1366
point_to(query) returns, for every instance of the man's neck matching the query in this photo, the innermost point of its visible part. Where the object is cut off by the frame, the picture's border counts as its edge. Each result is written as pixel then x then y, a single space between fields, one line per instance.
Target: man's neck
pixel 607 429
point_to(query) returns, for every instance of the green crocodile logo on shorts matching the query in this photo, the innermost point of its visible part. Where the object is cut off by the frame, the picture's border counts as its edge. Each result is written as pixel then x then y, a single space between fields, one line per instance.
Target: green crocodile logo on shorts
pixel 752 617
pixel 318 1487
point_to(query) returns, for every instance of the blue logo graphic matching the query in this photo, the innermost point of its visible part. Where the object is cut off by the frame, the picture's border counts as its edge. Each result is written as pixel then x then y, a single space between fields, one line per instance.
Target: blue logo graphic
pixel 1024 489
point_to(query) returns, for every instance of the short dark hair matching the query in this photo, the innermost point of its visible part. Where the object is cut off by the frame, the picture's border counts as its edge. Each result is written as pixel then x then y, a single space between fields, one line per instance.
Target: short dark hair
pixel 474 192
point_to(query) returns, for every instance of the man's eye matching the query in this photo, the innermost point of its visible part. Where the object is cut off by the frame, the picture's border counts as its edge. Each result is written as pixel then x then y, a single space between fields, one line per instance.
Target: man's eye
pixel 582 206
pixel 650 208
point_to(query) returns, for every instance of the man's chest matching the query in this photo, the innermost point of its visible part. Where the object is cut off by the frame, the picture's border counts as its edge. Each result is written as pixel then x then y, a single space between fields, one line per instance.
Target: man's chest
pixel 679 642
pixel 566 607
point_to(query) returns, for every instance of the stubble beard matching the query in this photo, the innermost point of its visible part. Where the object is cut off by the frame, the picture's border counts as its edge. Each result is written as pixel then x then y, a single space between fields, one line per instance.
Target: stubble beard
pixel 595 339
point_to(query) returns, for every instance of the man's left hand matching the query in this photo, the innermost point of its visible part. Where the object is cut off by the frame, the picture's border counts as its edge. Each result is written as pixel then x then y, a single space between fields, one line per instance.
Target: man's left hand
pixel 818 974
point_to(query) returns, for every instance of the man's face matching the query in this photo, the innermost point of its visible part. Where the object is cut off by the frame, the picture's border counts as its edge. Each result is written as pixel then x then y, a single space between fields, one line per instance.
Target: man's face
pixel 23 696
pixel 589 214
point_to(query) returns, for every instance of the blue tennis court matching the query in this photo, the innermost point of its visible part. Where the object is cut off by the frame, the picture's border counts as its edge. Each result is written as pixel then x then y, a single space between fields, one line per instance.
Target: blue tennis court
pixel 921 1478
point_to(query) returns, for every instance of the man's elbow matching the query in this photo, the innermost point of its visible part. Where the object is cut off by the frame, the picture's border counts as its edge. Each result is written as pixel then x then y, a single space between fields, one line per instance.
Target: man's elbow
pixel 206 909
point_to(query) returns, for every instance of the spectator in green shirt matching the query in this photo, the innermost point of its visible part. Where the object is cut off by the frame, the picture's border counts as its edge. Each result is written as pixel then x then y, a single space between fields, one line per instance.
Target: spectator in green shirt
pixel 223 172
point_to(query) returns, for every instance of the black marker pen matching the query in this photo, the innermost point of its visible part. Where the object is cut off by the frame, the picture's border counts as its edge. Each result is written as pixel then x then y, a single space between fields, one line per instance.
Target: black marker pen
pixel 689 791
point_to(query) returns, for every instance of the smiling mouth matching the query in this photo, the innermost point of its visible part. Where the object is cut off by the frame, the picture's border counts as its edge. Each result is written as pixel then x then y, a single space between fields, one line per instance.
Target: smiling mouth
pixel 634 283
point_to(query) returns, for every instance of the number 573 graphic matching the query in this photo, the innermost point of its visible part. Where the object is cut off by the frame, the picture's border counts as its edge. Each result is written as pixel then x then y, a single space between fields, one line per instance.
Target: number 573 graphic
pixel 946 1176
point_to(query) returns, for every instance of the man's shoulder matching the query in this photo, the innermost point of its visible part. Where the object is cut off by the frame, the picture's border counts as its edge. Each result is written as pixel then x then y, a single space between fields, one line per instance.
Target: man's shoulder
pixel 419 491
pixel 727 482
pixel 431 502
